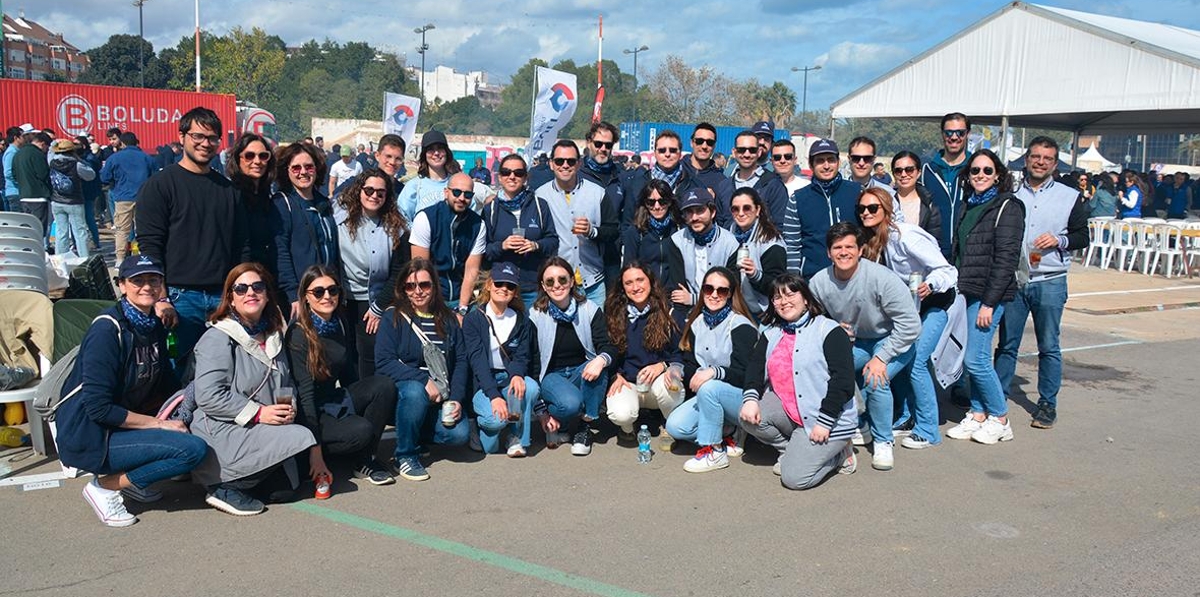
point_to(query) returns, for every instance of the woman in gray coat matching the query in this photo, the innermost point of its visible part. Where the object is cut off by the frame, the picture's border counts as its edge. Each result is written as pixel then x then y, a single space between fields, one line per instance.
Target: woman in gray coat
pixel 245 407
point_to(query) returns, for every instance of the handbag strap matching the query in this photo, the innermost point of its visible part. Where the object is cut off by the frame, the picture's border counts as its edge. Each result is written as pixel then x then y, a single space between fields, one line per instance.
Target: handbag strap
pixel 421 335
pixel 492 327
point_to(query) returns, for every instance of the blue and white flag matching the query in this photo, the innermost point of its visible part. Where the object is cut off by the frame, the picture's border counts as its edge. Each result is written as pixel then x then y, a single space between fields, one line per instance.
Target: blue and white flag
pixel 553 107
pixel 400 113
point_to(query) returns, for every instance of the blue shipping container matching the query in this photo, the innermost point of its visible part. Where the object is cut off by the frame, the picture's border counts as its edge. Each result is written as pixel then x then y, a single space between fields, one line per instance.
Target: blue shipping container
pixel 639 137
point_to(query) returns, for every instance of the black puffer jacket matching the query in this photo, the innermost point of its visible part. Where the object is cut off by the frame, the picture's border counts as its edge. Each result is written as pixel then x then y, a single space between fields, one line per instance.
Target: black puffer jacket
pixel 931 216
pixel 992 248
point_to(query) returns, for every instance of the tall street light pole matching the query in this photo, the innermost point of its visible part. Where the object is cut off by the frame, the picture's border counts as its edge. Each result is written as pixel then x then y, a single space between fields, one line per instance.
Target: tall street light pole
pixel 635 53
pixel 421 49
pixel 141 42
pixel 804 93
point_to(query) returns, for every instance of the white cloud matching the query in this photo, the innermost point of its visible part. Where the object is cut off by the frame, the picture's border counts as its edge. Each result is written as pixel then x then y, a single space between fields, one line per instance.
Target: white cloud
pixel 861 57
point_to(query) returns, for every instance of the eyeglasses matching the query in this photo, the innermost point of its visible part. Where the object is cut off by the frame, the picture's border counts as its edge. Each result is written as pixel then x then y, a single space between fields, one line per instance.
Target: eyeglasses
pixel 1041 158
pixel 703 141
pixel 783 157
pixel 556 282
pixel 518 172
pixel 151 280
pixel 904 170
pixel 656 201
pixel 949 133
pixel 509 286
pixel 373 191
pixel 413 286
pixel 988 170
pixel 718 291
pixel 262 156
pixel 319 291
pixel 569 162
pixel 668 150
pixel 258 287
pixel 871 208
pixel 298 168
pixel 861 158
pixel 737 209
pixel 462 193
pixel 745 149
pixel 603 144
pixel 785 297
pixel 199 138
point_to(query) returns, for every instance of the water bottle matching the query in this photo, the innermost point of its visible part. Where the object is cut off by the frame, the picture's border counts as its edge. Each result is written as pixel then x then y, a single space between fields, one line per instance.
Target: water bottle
pixel 643 437
pixel 12 437
pixel 172 345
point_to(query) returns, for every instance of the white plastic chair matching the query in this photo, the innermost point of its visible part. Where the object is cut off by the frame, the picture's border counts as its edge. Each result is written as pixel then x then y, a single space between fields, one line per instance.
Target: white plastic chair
pixel 1145 244
pixel 1121 242
pixel 1169 244
pixel 1099 232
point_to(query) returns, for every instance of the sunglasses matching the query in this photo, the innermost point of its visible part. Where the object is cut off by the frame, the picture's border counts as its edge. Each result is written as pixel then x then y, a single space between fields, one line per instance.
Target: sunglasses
pixel 656 201
pixel 745 149
pixel 570 162
pixel 518 172
pixel 703 141
pixel 413 286
pixel 668 150
pixel 737 209
pixel 904 170
pixel 872 208
pixel 988 170
pixel 262 156
pixel 373 191
pixel 319 291
pixel 948 133
pixel 556 282
pixel 718 291
pixel 603 144
pixel 258 287
pixel 861 158
pixel 151 280
pixel 461 193
pixel 298 168
pixel 783 157
pixel 509 286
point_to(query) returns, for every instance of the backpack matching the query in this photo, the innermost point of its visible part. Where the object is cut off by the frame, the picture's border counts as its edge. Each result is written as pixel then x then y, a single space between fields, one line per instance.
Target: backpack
pixel 49 395
pixel 62 184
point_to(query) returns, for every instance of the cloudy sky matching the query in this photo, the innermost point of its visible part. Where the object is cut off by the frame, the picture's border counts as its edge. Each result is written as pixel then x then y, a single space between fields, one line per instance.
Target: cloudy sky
pixel 854 42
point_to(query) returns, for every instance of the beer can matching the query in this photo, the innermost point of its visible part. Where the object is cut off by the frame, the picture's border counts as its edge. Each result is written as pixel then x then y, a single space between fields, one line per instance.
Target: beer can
pixel 914 282
pixel 448 419
pixel 743 253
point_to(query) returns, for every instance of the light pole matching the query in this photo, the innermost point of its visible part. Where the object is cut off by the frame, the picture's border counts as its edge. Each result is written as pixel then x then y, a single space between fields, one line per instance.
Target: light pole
pixel 804 93
pixel 421 49
pixel 635 53
pixel 141 42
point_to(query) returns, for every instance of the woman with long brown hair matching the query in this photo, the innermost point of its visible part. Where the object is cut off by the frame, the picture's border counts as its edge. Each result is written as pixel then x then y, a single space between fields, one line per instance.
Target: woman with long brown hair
pixel 251 167
pixel 761 255
pixel 373 244
pixel 306 233
pixel 346 419
pixel 648 364
pixel 244 399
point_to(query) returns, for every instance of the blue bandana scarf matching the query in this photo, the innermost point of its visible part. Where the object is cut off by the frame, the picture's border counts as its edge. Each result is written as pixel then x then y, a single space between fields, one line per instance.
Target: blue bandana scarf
pixel 671 177
pixel 988 195
pixel 743 236
pixel 602 169
pixel 142 323
pixel 325 329
pixel 703 239
pixel 512 205
pixel 634 314
pixel 255 329
pixel 567 316
pixel 662 227
pixel 712 319
pixel 830 187
pixel 790 328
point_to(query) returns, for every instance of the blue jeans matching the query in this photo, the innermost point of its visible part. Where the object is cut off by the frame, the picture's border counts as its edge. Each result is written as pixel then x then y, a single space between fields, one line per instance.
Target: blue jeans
pixel 150 455
pixel 702 419
pixel 70 220
pixel 915 391
pixel 418 420
pixel 596 294
pixel 567 395
pixel 490 427
pixel 193 308
pixel 1045 300
pixel 527 298
pixel 986 394
pixel 881 405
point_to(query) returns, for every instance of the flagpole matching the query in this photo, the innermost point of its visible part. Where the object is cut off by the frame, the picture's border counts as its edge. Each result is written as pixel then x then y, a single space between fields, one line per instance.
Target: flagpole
pixel 533 112
pixel 596 116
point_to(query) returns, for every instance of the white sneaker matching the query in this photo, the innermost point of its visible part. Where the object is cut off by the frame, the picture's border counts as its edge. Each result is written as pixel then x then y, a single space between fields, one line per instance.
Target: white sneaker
pixel 859 439
pixel 849 461
pixel 515 449
pixel 735 444
pixel 778 468
pixel 708 458
pixel 993 431
pixel 883 460
pixel 915 442
pixel 108 505
pixel 965 428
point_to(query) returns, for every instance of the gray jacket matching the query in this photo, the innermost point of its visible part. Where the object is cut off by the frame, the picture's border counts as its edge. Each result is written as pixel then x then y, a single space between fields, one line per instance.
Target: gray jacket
pixel 234 377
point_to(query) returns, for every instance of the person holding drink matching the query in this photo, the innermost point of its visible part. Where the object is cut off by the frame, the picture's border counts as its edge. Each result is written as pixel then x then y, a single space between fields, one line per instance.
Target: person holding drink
pixel 501 350
pixel 761 256
pixel 519 226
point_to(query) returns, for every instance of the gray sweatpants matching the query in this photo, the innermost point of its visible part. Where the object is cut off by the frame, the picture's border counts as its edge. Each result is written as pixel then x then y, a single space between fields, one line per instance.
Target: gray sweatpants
pixel 803 463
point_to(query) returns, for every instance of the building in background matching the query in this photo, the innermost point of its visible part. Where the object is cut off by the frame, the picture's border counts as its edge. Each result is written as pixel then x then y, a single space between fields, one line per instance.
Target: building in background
pixel 445 85
pixel 35 53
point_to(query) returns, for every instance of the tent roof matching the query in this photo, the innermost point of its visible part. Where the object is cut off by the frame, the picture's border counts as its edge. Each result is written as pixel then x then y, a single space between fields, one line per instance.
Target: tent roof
pixel 1047 67
pixel 1094 155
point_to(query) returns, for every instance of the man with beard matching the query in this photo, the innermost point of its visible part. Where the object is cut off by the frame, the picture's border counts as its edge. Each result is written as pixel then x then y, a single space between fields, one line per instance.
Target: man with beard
pixel 701 167
pixel 747 151
pixel 598 167
pixel 668 167
pixel 815 208
pixel 940 173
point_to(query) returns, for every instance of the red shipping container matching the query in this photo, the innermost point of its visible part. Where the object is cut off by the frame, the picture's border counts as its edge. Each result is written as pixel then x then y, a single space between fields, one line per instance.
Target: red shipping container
pixel 73 109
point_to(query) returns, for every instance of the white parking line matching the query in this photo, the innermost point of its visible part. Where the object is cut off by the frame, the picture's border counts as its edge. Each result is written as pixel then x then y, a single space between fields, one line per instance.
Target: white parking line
pixel 1092 347
pixel 1108 292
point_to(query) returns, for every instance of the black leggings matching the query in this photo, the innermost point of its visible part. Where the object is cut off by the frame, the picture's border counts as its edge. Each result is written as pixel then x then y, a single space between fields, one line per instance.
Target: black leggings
pixel 358 435
pixel 364 343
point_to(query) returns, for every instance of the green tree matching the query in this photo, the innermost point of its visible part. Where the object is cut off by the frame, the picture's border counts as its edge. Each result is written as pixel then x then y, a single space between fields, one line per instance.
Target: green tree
pixel 116 63
pixel 247 64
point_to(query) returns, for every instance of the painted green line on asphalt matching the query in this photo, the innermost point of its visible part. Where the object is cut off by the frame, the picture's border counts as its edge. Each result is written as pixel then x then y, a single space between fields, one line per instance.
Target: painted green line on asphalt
pixel 462 550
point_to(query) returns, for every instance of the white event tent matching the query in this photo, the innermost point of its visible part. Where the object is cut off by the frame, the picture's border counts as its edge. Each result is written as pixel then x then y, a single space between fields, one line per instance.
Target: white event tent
pixel 1045 67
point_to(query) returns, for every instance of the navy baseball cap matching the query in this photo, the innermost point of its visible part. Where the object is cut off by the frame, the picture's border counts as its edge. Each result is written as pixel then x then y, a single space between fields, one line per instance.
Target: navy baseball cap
pixel 136 265
pixel 764 127
pixel 822 146
pixel 699 197
pixel 433 137
pixel 505 272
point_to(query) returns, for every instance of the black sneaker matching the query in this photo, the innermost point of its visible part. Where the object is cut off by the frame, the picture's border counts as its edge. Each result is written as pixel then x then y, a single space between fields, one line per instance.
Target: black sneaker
pixel 581 443
pixel 1044 418
pixel 904 429
pixel 374 473
pixel 234 501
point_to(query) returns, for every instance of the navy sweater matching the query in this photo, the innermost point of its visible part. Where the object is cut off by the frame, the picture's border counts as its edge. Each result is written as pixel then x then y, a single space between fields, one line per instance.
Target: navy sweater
pixel 398 353
pixel 520 346
pixel 637 356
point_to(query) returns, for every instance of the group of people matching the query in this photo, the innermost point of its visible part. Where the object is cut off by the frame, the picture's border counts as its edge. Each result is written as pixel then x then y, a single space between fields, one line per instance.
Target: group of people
pixel 713 306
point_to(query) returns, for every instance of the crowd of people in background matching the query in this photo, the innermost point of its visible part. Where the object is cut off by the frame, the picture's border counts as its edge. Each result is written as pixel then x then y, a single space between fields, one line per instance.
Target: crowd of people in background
pixel 315 298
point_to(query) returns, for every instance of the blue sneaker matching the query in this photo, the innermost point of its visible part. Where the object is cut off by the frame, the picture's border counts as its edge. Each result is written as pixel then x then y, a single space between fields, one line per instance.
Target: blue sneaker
pixel 233 501
pixel 410 468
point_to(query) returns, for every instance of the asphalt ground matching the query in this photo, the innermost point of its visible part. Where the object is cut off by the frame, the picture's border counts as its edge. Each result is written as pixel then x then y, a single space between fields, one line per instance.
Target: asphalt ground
pixel 1106 503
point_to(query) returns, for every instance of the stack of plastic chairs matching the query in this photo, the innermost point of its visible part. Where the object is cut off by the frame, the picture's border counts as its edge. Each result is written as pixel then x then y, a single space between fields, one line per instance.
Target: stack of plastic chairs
pixel 1099 237
pixel 1168 245
pixel 22 253
pixel 1121 242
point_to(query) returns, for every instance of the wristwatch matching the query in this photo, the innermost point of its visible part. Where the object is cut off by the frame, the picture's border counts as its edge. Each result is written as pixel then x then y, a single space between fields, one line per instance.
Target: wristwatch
pixel 463 309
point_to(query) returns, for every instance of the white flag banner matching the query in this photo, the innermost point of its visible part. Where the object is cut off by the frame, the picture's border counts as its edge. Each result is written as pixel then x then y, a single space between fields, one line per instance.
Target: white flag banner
pixel 553 107
pixel 400 113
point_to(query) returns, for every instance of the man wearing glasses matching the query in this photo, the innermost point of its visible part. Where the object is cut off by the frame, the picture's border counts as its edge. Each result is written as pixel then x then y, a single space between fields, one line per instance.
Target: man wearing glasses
pixel 584 219
pixel 599 167
pixel 452 236
pixel 811 211
pixel 783 156
pixel 940 175
pixel 747 150
pixel 702 168
pixel 190 219
pixel 862 164
pixel 668 167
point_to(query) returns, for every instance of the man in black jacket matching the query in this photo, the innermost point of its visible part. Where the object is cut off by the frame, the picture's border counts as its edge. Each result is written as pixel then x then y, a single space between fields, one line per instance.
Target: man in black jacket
pixel 598 167
pixel 746 152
